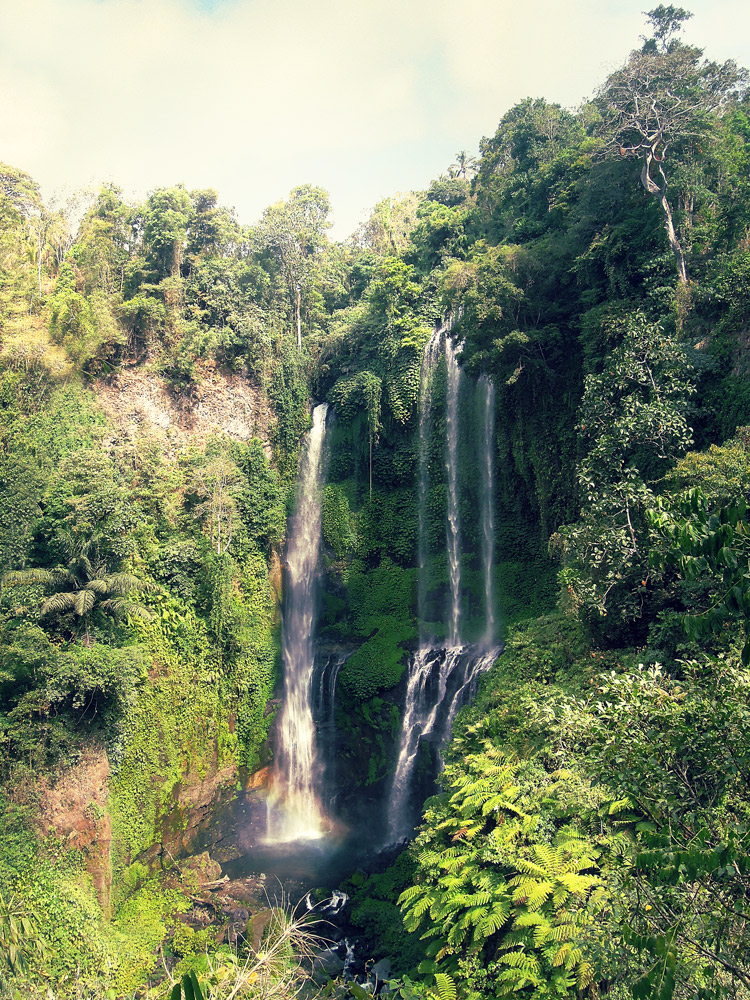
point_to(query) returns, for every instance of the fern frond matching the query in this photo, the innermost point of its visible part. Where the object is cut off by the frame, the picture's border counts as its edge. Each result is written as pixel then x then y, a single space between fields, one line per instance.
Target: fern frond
pixel 578 885
pixel 562 954
pixel 446 986
pixel 494 921
pixel 585 975
pixel 409 894
pixel 526 919
pixel 530 868
pixel 421 906
pixel 524 962
pixel 533 894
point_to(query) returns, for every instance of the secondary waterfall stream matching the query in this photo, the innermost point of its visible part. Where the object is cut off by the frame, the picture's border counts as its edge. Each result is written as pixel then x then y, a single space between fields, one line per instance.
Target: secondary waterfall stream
pixel 440 678
pixel 294 809
pixel 453 520
pixel 487 390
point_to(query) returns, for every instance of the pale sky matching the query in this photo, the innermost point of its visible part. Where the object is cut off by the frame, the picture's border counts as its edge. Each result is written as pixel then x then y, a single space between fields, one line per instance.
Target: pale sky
pixel 253 97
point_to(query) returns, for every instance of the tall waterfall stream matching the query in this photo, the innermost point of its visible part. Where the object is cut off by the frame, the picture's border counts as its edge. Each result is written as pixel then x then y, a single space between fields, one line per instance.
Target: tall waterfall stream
pixel 294 809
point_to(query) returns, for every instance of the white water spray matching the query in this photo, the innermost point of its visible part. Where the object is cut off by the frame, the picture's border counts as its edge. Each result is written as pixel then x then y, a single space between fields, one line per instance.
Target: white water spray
pixel 430 359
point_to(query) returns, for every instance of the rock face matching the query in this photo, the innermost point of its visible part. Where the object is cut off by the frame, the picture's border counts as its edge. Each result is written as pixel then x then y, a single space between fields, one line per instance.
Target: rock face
pixel 74 809
pixel 137 400
pixel 190 816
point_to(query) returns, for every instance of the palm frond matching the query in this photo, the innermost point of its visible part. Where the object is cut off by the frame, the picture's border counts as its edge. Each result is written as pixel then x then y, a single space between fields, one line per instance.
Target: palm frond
pixel 84 602
pixel 58 604
pixel 121 607
pixel 47 577
pixel 124 583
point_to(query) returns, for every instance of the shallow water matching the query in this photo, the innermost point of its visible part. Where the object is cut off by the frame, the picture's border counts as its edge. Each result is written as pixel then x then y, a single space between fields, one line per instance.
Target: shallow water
pixel 316 863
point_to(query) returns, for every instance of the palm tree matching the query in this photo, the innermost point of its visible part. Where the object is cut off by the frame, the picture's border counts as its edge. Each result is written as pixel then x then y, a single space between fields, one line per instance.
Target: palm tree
pixel 464 165
pixel 79 588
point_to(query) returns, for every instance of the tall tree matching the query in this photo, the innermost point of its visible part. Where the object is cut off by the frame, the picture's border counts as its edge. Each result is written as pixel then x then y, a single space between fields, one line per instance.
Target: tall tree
pixel 665 94
pixel 294 232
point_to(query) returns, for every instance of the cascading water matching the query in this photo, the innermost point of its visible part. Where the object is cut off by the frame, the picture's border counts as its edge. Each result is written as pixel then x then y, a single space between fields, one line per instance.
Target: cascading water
pixel 294 810
pixel 487 503
pixel 440 678
pixel 430 359
pixel 324 718
pixel 453 526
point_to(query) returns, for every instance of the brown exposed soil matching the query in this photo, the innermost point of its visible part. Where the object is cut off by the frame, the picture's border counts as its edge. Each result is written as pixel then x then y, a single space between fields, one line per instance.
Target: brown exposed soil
pixel 137 401
pixel 73 809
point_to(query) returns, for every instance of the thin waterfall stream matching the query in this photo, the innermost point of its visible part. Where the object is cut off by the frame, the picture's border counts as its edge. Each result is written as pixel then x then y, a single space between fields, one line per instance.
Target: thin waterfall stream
pixel 487 503
pixel 430 358
pixel 453 520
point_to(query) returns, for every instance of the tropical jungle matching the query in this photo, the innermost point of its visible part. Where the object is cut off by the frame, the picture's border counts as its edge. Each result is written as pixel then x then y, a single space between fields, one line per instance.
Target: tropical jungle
pixel 510 420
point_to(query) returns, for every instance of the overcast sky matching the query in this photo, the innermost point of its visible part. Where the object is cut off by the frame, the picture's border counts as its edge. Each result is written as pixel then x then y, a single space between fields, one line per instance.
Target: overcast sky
pixel 253 97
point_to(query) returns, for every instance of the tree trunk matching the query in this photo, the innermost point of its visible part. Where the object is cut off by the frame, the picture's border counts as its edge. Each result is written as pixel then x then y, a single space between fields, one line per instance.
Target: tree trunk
pixel 298 309
pixel 659 191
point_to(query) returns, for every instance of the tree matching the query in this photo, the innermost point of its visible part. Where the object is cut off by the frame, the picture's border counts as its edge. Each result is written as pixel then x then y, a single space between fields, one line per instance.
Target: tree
pixel 167 217
pixel 390 225
pixel 465 165
pixel 20 208
pixel 664 95
pixel 632 420
pixel 105 243
pixel 79 588
pixel 217 485
pixel 294 232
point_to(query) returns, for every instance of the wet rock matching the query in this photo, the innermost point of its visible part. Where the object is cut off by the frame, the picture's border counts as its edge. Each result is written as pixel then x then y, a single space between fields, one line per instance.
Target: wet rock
pixel 381 971
pixel 235 931
pixel 201 868
pixel 256 927
pixel 328 964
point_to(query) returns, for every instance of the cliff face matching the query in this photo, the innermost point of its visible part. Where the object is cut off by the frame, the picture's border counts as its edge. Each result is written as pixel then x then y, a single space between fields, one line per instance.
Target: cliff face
pixel 74 810
pixel 137 401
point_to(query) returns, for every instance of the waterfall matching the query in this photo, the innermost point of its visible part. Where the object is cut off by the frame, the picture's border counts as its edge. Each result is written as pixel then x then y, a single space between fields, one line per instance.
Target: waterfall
pixel 294 811
pixel 487 504
pixel 440 679
pixel 324 718
pixel 429 361
pixel 453 526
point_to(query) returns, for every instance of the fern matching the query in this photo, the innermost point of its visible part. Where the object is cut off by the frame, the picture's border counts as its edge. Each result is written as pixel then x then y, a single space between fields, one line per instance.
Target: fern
pixel 489 887
pixel 446 986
